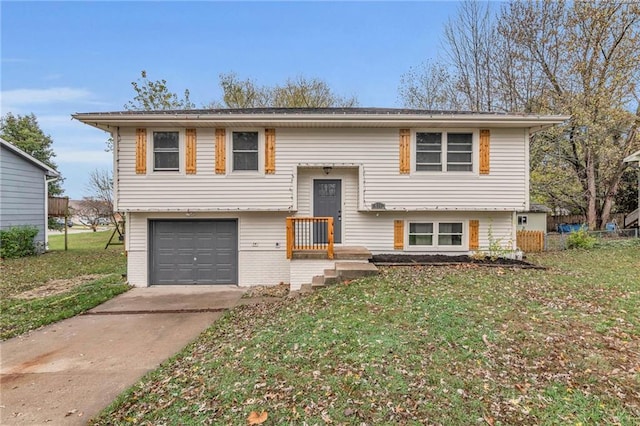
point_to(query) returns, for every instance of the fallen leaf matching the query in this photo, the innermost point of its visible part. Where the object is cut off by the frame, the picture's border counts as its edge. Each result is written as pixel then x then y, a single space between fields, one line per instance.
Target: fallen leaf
pixel 75 410
pixel 257 419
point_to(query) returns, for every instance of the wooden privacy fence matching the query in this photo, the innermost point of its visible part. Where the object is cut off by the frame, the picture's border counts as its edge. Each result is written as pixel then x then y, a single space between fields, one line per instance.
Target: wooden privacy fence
pixel 309 234
pixel 58 206
pixel 530 241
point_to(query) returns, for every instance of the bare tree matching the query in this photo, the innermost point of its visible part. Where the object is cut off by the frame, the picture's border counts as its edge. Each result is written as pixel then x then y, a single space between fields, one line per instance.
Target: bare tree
pixel 295 92
pixel 469 46
pixel 430 86
pixel 99 196
pixel 586 55
pixel 310 93
pixel 554 57
pixel 92 212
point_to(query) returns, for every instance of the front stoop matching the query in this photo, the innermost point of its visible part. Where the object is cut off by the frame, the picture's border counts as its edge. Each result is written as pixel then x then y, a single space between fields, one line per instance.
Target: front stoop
pixel 344 271
pixel 349 262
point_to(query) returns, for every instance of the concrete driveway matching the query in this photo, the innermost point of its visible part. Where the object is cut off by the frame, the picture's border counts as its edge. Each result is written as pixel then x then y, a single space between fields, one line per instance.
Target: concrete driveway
pixel 65 373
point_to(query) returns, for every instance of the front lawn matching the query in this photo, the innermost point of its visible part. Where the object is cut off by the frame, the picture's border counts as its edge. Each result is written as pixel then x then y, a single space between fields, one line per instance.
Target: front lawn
pixel 419 345
pixel 39 290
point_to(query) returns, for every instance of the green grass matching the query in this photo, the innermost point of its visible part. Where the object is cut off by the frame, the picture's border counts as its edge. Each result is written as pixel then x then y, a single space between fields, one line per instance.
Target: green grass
pixel 423 345
pixel 86 256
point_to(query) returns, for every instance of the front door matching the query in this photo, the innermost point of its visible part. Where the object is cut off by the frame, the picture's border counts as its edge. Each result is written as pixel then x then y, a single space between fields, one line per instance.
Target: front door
pixel 327 202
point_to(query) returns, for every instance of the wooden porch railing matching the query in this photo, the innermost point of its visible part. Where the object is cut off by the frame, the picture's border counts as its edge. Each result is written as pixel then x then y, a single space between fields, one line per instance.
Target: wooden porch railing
pixel 309 234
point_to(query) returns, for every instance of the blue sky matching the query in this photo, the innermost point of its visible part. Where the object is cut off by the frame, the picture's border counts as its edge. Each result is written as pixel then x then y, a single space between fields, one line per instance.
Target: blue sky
pixel 59 58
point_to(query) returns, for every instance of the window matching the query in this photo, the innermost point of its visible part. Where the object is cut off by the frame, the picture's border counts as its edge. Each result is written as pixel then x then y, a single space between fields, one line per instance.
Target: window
pixel 522 220
pixel 450 234
pixel 166 151
pixel 444 151
pixel 423 234
pixel 245 151
pixel 459 152
pixel 429 152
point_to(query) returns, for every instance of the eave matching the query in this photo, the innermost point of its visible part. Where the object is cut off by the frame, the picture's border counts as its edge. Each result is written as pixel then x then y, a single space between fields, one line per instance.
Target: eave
pixel 110 121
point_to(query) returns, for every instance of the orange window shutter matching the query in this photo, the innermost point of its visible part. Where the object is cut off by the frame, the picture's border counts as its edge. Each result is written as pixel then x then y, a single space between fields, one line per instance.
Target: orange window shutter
pixel 221 159
pixel 405 151
pixel 474 234
pixel 141 151
pixel 398 234
pixel 191 151
pixel 270 151
pixel 485 137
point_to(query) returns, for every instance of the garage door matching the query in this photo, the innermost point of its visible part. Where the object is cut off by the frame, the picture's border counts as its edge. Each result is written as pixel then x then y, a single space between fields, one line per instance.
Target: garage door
pixel 193 252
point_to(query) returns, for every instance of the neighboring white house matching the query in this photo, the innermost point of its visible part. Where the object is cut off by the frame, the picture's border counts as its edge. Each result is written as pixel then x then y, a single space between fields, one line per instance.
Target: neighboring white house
pixel 207 193
pixel 535 219
pixel 24 191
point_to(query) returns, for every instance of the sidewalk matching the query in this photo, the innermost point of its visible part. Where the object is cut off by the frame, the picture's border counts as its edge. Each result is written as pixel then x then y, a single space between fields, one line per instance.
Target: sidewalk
pixel 66 373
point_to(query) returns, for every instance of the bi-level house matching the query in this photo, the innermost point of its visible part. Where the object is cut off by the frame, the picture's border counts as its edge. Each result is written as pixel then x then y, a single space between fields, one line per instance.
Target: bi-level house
pixel 270 195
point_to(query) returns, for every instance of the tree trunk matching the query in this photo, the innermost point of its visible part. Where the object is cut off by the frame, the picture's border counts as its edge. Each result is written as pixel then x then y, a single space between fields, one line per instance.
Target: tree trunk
pixel 611 195
pixel 591 195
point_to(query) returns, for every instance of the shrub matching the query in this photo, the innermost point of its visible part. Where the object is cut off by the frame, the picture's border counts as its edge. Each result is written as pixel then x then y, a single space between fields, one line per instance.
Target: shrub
pixel 55 223
pixel 581 239
pixel 17 241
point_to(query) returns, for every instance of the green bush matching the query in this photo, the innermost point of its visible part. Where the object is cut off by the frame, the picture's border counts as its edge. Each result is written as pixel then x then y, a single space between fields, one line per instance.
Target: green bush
pixel 17 241
pixel 55 224
pixel 581 239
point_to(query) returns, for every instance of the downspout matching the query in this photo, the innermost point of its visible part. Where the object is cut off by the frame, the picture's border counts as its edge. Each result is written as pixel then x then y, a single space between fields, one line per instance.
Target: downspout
pixel 46 210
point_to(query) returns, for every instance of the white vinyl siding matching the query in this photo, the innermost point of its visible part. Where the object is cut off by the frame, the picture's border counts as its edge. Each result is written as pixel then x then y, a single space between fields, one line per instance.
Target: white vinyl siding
pixel 262 237
pixel 372 153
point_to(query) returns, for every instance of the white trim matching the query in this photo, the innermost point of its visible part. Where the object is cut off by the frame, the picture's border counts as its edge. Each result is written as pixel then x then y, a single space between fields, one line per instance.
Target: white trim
pixel 151 153
pixel 475 152
pixel 261 154
pixel 436 233
pixel 274 118
pixel 115 135
pixel 46 214
pixel 312 200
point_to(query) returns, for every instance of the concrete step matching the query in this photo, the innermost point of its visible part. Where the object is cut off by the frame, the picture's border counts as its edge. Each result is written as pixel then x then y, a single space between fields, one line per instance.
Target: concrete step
pixel 343 271
pixel 318 281
pixel 351 253
pixel 331 277
pixel 353 270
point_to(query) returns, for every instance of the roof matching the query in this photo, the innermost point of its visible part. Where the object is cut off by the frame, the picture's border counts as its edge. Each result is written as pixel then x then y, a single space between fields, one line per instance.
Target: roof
pixel 633 158
pixel 316 117
pixel 11 147
pixel 539 208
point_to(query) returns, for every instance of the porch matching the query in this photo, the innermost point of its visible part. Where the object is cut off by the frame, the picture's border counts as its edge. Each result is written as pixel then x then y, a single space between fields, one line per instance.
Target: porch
pixel 315 261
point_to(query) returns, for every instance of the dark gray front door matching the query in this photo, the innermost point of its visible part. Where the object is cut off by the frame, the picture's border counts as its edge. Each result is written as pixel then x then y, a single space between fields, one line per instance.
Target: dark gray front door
pixel 193 252
pixel 327 202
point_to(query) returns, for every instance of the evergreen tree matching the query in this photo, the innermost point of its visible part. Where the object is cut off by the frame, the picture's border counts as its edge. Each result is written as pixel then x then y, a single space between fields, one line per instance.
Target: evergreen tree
pixel 24 132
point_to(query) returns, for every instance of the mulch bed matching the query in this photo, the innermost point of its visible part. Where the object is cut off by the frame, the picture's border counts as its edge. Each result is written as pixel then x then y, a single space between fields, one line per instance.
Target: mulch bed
pixel 444 260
